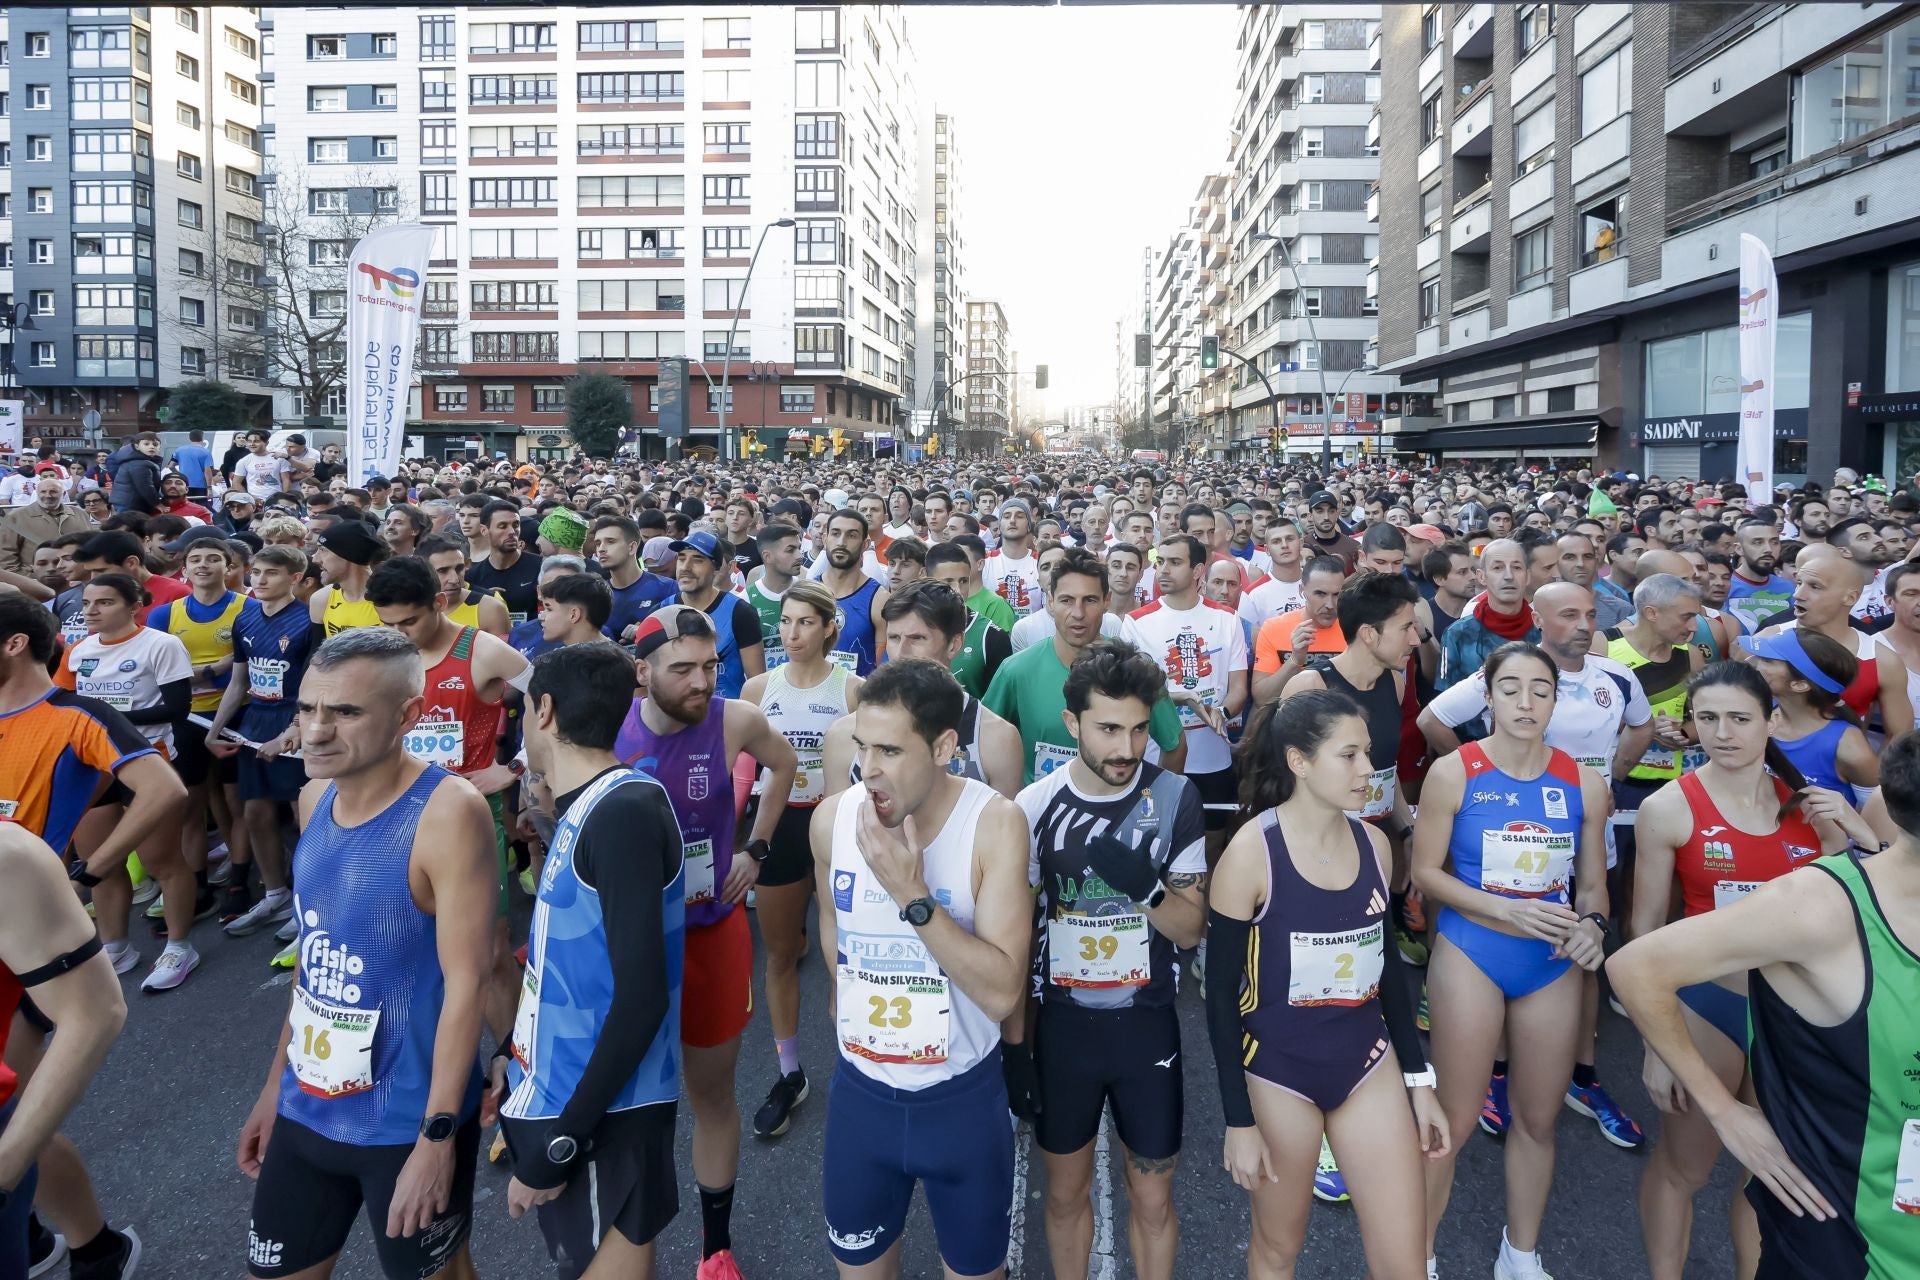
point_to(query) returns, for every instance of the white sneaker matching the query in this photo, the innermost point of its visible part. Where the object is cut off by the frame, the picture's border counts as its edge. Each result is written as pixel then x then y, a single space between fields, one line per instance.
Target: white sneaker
pixel 219 872
pixel 171 969
pixel 146 891
pixel 288 931
pixel 267 911
pixel 125 960
pixel 1505 1270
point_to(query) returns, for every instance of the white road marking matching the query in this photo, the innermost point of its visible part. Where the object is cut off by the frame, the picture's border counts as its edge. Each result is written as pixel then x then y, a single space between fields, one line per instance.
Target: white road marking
pixel 1017 1211
pixel 278 980
pixel 1101 1265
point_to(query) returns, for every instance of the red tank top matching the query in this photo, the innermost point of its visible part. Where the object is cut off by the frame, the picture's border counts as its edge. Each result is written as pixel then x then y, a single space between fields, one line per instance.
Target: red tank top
pixel 10 993
pixel 1719 863
pixel 1865 689
pixel 453 699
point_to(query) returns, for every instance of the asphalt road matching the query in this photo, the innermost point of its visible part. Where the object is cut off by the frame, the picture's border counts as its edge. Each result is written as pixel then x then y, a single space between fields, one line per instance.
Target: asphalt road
pixel 158 1129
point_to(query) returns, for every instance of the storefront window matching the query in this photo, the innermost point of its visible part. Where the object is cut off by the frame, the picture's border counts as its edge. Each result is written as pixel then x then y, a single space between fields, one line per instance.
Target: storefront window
pixel 1903 328
pixel 1700 372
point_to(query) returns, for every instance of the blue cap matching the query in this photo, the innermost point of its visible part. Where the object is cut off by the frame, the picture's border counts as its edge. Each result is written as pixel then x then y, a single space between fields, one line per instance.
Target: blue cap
pixel 699 540
pixel 1784 646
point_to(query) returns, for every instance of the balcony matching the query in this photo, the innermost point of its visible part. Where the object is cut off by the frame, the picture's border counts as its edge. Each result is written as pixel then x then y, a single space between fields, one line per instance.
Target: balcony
pixel 1600 150
pixel 1472 231
pixel 1430 68
pixel 1530 191
pixel 1597 286
pixel 1373 278
pixel 1473 31
pixel 1427 252
pixel 1373 203
pixel 1429 161
pixel 1470 326
pixel 1533 71
pixel 1373 49
pixel 1373 131
pixel 1595 20
pixel 1472 132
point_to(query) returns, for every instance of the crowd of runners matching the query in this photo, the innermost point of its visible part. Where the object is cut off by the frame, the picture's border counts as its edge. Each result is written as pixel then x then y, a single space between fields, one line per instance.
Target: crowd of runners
pixel 1404 774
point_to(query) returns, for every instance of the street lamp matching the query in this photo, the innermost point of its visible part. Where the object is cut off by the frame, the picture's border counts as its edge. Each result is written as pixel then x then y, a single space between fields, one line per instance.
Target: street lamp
pixel 17 320
pixel 726 360
pixel 1319 361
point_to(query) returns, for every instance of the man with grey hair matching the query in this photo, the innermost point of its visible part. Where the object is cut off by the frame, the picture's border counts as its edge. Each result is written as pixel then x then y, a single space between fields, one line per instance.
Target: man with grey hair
pixel 376 1070
pixel 48 516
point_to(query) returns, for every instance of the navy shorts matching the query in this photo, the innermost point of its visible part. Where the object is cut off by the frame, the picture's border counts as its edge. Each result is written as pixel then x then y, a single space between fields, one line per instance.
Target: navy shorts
pixel 954 1138
pixel 276 779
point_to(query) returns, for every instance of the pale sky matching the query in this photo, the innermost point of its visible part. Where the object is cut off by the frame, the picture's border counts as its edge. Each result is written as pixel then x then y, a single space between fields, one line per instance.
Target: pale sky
pixel 1084 134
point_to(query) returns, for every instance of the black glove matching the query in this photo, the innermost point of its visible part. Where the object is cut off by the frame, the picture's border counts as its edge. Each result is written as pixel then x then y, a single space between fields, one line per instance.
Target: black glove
pixel 1023 1082
pixel 1128 869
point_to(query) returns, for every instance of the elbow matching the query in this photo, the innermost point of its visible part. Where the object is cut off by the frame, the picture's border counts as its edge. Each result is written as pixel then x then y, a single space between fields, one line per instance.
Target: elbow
pixel 1426 878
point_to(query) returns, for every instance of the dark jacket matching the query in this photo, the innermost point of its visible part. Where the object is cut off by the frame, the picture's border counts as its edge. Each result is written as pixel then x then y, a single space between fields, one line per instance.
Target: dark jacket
pixel 136 480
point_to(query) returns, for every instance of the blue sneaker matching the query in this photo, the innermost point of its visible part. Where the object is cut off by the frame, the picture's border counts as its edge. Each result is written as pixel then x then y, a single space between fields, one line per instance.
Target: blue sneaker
pixel 1328 1185
pixel 1615 1125
pixel 1494 1114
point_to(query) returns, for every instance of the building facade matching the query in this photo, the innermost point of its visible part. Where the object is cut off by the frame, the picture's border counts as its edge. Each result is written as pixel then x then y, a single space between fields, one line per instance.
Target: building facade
pixel 607 181
pixel 129 223
pixel 939 343
pixel 1560 230
pixel 990 374
pixel 1299 239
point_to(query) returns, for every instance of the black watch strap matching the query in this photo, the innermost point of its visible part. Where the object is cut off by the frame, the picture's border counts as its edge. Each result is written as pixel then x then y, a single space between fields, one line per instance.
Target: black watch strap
pixel 759 850
pixel 79 874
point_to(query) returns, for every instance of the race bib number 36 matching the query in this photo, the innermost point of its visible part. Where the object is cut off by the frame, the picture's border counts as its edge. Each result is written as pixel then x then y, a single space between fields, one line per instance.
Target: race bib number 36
pixel 1098 951
pixel 332 1048
pixel 893 1017
pixel 1335 968
pixel 1525 864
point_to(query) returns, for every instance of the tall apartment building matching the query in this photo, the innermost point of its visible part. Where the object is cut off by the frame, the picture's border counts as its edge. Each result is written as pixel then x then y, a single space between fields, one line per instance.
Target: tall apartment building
pixel 1562 195
pixel 1302 167
pixel 129 210
pixel 939 348
pixel 606 179
pixel 990 375
pixel 1189 302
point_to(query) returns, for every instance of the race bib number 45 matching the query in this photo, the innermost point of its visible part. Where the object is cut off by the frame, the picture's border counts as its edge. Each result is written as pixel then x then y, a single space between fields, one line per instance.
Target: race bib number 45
pixel 332 1047
pixel 893 1017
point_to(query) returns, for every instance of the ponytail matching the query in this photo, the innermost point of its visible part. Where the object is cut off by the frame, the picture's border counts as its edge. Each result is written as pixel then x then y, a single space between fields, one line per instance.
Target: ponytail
pixel 1302 722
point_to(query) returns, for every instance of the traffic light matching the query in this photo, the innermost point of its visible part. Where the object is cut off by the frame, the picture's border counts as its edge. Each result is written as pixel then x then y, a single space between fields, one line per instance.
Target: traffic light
pixel 1209 352
pixel 819 445
pixel 839 441
pixel 933 443
pixel 1142 350
pixel 1039 377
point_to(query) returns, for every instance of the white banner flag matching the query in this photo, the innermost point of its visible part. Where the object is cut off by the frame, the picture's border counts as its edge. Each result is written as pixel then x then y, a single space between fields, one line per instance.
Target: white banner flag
pixel 385 279
pixel 1759 323
pixel 12 414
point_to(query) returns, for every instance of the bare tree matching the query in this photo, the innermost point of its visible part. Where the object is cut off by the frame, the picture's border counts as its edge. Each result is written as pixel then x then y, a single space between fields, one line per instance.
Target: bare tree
pixel 292 275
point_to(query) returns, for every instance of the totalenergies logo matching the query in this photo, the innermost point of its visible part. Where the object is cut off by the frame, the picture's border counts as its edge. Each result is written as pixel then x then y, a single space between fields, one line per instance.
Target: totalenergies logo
pixel 401 283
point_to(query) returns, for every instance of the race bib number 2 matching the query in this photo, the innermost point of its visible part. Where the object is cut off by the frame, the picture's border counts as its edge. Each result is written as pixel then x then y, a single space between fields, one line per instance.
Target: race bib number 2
pixel 1335 968
pixel 331 1051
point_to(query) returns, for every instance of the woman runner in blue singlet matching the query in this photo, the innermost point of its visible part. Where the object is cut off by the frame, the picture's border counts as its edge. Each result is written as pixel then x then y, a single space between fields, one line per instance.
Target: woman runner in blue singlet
pixel 1514 817
pixel 1306 991
pixel 1819 733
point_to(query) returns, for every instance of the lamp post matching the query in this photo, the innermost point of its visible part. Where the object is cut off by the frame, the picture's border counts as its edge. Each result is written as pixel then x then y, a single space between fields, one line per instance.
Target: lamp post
pixel 726 360
pixel 16 320
pixel 1319 361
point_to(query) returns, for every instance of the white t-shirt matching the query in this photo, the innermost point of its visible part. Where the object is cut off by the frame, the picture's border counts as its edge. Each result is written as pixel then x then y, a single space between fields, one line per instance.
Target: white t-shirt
pixel 17 490
pixel 1038 627
pixel 1593 704
pixel 1271 597
pixel 1015 581
pixel 127 676
pixel 1198 648
pixel 262 474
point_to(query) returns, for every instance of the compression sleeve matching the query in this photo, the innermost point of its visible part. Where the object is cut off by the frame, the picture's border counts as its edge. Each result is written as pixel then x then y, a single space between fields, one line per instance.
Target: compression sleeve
pixel 997 646
pixel 1396 1005
pixel 175 697
pixel 635 838
pixel 1226 944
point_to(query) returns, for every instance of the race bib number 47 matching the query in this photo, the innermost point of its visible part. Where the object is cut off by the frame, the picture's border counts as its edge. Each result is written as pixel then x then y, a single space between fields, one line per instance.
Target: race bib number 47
pixel 1525 864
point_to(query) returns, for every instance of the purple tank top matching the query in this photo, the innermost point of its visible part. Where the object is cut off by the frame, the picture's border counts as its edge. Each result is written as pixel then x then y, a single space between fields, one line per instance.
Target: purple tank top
pixel 692 765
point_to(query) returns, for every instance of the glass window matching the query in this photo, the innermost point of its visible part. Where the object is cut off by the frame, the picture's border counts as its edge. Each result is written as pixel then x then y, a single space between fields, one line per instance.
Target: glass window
pixel 1607 91
pixel 1533 258
pixel 1700 372
pixel 1533 141
pixel 1603 228
pixel 1430 211
pixel 1533 25
pixel 1855 92
pixel 1903 328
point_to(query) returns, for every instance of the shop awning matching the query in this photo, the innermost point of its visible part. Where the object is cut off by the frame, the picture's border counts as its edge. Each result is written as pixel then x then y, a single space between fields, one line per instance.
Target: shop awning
pixel 1562 435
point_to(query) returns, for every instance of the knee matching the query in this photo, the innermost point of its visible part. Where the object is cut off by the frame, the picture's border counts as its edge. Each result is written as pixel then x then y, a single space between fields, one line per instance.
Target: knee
pixel 1681 1170
pixel 1273 1249
pixel 783 954
pixel 1535 1125
pixel 1067 1197
pixel 1152 1207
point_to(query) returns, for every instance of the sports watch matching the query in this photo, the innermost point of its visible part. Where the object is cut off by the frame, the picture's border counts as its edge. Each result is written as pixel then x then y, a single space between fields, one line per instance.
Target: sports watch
pixel 1421 1079
pixel 561 1149
pixel 918 912
pixel 439 1126
pixel 759 850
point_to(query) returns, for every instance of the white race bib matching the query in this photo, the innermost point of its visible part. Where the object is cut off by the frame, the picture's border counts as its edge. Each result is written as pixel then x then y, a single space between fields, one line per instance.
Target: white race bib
pixel 697 858
pixel 1525 864
pixel 8 808
pixel 118 701
pixel 526 1019
pixel 1190 718
pixel 1335 968
pixel 844 660
pixel 1382 786
pixel 1728 892
pixel 1048 756
pixel 441 742
pixel 1098 951
pixel 332 1048
pixel 266 679
pixel 1906 1171
pixel 893 1017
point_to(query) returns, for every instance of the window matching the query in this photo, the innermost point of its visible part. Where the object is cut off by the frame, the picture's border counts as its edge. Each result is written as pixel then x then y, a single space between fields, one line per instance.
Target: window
pixel 1607 91
pixel 513 295
pixel 1430 119
pixel 43 357
pixel 1903 327
pixel 724 189
pixel 817 241
pixel 816 190
pixel 536 243
pixel 191 215
pixel 326 304
pixel 244 90
pixel 1313 88
pixel 1560 400
pixel 437 140
pixel 632 139
pixel 327 98
pixel 386 148
pixel 100 255
pixel 1313 142
pixel 327 200
pixel 193 311
pixel 1429 302
pixel 1700 372
pixel 326 48
pixel 727 140
pixel 242 228
pixel 386 199
pixel 38 45
pixel 240 134
pixel 511 348
pixel 632 295
pixel 496 399
pixel 1533 258
pixel 634 87
pixel 386 44
pixel 816 344
pixel 1533 141
pixel 449 399
pixel 187 114
pixel 632 193
pixel 497 91
pixel 187 18
pixel 188 67
pixel 436 89
pixel 728 33
pixel 101 357
pixel 723 295
pixel 796 400
pixel 613 345
pixel 327 150
pixel 647 36
pixel 436 39
pixel 192 263
pixel 1602 229
pixel 1855 92
pixel 816 85
pixel 437 193
pixel 1532 27
pixel 550 399
pixel 816 30
pixel 100 97
pixel 510 37
pixel 491 141
pixel 1313 196
pixel 1430 29
pixel 40 302
pixel 39 148
pixel 816 137
pixel 386 95
pixel 716 396
pixel 246 318
pixel 512 193
pixel 193 360
pixel 439 347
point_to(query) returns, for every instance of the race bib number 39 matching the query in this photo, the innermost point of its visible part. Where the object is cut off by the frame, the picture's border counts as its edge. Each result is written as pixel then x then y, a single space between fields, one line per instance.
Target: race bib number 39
pixel 1525 864
pixel 893 1017
pixel 1335 968
pixel 1098 951
pixel 332 1048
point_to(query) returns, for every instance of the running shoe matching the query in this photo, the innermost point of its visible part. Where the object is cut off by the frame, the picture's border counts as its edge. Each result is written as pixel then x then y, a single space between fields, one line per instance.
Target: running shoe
pixel 219 872
pixel 720 1266
pixel 146 891
pixel 1615 1125
pixel 157 909
pixel 499 1147
pixel 1200 962
pixel 207 904
pixel 264 913
pixel 288 931
pixel 284 958
pixel 528 884
pixel 1504 1270
pixel 1494 1115
pixel 171 969
pixel 1328 1185
pixel 118 1265
pixel 239 900
pixel 1421 1018
pixel 124 962
pixel 776 1113
pixel 1412 949
pixel 45 1249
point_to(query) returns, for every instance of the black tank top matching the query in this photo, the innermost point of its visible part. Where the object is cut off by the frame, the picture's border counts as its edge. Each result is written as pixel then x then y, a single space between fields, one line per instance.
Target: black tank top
pixel 1381 707
pixel 966 762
